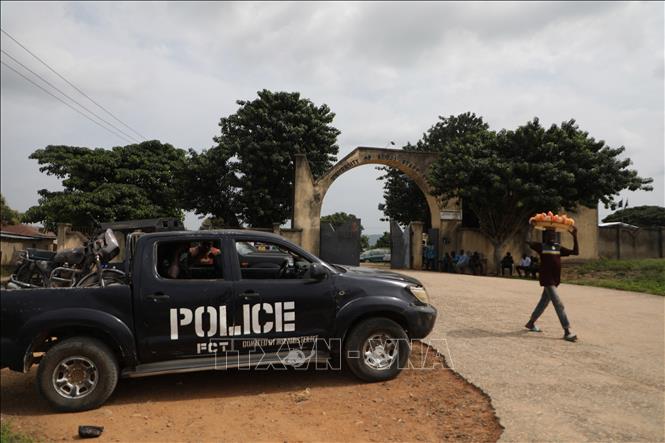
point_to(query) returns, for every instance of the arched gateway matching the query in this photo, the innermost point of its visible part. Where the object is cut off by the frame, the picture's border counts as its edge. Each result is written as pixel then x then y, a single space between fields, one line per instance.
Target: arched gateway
pixel 309 193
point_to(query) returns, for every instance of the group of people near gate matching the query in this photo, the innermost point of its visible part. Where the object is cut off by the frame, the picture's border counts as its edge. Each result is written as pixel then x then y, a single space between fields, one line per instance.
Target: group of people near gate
pixel 476 264
pixel 460 263
pixel 528 266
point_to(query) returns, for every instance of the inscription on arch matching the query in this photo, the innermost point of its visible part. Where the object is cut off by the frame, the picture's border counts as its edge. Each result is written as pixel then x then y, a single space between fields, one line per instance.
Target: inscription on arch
pixel 379 158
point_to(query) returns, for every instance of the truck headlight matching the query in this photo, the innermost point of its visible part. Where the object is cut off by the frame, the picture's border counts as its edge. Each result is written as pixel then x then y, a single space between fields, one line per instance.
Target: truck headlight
pixel 420 293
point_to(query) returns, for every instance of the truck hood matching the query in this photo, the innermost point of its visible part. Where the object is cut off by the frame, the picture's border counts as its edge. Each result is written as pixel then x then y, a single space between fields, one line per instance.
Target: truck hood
pixel 378 273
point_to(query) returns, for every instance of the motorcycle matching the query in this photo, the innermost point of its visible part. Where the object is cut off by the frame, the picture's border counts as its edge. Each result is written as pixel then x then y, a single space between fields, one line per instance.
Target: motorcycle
pixel 87 266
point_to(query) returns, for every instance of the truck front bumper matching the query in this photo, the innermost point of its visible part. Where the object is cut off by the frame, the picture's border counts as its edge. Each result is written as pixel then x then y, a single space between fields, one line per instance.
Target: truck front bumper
pixel 420 320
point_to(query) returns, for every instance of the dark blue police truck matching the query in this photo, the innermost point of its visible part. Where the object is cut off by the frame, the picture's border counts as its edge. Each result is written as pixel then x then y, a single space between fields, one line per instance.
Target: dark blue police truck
pixel 207 300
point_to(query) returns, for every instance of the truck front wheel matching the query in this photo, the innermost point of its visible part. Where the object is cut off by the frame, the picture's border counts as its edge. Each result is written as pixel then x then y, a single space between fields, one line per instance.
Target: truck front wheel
pixel 77 374
pixel 376 349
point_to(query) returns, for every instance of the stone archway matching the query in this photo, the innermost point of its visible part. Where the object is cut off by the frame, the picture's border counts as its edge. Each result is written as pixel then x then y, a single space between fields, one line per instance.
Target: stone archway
pixel 309 193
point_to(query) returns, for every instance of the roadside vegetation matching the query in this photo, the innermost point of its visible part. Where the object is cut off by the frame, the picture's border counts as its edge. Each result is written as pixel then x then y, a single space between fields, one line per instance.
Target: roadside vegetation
pixel 8 435
pixel 647 275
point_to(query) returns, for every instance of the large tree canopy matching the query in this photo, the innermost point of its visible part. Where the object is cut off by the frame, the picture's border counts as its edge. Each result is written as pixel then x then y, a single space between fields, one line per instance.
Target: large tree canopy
pixel 126 182
pixel 508 176
pixel 8 216
pixel 642 216
pixel 261 140
pixel 209 187
pixel 404 201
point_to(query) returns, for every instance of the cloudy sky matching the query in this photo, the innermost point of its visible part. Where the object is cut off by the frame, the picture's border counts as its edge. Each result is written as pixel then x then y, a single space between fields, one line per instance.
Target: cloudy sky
pixel 171 70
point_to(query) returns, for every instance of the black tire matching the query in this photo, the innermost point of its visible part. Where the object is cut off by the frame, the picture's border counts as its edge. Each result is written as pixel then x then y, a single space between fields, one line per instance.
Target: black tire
pixel 28 273
pixel 355 345
pixel 110 279
pixel 78 349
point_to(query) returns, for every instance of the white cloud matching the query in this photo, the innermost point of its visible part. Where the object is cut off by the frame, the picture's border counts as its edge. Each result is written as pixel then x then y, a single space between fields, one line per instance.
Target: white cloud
pixel 171 70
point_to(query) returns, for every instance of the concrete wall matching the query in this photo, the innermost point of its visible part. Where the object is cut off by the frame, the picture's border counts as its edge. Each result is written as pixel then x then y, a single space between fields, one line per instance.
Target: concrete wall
pixel 10 247
pixel 67 238
pixel 471 239
pixel 615 242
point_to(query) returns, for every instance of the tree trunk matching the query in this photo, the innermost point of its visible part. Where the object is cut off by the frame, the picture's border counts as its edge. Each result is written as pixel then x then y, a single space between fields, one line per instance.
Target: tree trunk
pixel 497 257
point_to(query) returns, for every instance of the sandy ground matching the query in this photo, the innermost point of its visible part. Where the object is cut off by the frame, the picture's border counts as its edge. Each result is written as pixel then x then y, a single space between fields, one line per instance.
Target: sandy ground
pixel 420 405
pixel 609 386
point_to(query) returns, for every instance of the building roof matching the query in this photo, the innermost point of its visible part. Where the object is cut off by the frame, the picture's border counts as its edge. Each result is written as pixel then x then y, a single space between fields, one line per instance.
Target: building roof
pixel 617 224
pixel 25 232
pixel 152 224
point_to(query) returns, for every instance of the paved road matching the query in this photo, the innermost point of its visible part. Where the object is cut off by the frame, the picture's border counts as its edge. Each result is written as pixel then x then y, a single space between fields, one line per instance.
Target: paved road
pixel 609 386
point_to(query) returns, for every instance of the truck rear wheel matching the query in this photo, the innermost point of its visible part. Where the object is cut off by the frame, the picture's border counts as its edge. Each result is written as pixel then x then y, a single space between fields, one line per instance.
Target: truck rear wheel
pixel 376 349
pixel 77 374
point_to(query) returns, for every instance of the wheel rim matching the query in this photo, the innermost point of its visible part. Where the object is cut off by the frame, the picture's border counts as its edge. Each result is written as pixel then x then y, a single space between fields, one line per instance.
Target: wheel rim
pixel 380 351
pixel 75 377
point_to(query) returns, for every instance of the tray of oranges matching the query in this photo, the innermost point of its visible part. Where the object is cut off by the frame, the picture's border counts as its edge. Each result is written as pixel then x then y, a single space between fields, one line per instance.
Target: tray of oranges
pixel 547 220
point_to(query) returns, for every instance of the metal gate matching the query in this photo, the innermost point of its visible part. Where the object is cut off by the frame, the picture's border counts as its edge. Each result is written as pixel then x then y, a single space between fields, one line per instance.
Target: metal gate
pixel 433 239
pixel 341 244
pixel 400 246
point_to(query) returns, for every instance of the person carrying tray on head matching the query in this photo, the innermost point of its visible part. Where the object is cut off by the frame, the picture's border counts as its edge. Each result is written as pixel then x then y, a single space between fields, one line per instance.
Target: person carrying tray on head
pixel 550 253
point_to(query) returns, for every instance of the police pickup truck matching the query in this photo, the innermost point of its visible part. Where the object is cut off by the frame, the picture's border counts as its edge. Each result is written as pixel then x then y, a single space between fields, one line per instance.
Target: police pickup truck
pixel 191 303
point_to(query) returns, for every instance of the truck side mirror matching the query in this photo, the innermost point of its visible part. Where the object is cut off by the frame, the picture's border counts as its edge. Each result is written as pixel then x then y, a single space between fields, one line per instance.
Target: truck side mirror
pixel 317 272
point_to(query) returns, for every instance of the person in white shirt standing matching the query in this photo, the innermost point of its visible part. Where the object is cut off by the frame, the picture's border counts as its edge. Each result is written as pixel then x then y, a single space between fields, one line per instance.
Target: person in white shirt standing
pixel 524 265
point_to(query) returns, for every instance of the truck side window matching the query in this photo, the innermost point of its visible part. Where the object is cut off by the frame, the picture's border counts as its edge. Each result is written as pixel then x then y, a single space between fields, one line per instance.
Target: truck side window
pixel 265 260
pixel 190 260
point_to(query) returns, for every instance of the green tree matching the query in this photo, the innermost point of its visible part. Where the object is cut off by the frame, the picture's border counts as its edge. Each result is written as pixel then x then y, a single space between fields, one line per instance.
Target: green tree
pixel 210 186
pixel 212 223
pixel 8 216
pixel 506 177
pixel 339 218
pixel 383 241
pixel 404 201
pixel 261 140
pixel 126 182
pixel 364 242
pixel 643 216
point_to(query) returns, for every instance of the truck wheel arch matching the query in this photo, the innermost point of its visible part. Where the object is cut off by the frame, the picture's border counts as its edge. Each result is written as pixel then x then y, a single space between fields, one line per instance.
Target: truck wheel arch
pixel 348 318
pixel 35 334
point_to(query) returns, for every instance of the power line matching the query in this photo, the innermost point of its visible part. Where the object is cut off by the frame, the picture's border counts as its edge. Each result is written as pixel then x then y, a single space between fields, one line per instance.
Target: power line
pixel 70 98
pixel 61 100
pixel 73 86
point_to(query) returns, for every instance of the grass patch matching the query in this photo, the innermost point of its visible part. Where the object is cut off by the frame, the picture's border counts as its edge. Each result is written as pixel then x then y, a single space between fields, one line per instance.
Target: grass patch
pixel 646 275
pixel 8 435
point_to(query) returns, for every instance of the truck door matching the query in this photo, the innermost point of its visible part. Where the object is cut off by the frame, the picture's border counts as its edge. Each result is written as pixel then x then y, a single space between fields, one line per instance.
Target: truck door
pixel 185 299
pixel 276 299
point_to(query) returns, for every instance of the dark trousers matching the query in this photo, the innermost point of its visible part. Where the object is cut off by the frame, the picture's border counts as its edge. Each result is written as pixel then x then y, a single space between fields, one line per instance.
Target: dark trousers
pixel 549 293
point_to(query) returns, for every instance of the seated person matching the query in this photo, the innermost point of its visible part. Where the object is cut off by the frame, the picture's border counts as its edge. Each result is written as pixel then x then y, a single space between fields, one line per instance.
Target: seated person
pixel 202 254
pixel 524 265
pixel 535 267
pixel 507 263
pixel 462 262
pixel 476 264
pixel 447 263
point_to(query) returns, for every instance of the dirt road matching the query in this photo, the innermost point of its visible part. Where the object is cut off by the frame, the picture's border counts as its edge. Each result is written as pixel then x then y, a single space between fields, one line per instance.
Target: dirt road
pixel 609 386
pixel 427 405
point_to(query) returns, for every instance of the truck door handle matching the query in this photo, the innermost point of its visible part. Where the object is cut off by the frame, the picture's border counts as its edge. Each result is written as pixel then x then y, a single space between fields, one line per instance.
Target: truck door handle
pixel 157 297
pixel 250 295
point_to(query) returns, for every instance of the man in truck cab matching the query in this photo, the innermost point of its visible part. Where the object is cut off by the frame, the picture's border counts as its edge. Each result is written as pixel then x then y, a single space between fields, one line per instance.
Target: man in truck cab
pixel 202 254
